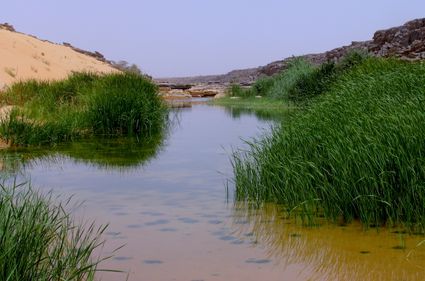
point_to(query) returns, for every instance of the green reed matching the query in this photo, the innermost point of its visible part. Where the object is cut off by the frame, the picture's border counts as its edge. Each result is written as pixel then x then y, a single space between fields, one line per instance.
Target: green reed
pixel 357 151
pixel 83 105
pixel 40 241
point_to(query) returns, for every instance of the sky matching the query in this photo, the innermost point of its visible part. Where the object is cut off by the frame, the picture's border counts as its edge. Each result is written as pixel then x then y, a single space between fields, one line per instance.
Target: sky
pixel 169 38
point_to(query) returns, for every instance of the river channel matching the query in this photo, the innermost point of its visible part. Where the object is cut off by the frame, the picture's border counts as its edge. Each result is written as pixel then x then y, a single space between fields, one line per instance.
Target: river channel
pixel 169 204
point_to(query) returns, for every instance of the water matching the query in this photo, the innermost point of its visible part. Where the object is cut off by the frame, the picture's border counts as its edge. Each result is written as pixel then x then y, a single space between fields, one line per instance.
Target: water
pixel 169 206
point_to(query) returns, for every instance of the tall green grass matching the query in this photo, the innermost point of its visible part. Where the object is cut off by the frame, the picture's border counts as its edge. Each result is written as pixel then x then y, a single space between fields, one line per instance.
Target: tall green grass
pixel 300 80
pixel 356 152
pixel 83 105
pixel 287 79
pixel 261 87
pixel 310 82
pixel 278 86
pixel 39 240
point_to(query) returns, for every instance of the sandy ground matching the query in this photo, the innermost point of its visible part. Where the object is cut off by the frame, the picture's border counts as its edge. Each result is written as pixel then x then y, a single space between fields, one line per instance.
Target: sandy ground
pixel 24 57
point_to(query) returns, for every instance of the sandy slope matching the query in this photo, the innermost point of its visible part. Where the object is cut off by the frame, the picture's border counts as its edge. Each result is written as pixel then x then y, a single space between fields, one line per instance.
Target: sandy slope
pixel 24 57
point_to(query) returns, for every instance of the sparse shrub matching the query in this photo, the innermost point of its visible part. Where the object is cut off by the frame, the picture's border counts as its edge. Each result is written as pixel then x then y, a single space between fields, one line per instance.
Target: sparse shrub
pixel 126 67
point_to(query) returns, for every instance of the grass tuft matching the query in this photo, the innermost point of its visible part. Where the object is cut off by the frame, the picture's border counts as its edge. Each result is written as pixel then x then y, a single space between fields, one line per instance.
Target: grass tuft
pixel 40 241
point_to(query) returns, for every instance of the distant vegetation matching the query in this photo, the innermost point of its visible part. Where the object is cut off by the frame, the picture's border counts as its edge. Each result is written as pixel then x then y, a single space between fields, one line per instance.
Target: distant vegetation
pixel 82 105
pixel 40 241
pixel 124 66
pixel 354 151
pixel 300 80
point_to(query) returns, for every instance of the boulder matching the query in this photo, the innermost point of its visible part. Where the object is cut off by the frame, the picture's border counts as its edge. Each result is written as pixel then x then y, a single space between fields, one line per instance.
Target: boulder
pixel 175 94
pixel 221 95
pixel 208 90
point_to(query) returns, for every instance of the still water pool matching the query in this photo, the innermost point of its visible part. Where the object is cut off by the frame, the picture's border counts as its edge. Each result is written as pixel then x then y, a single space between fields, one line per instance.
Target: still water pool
pixel 167 202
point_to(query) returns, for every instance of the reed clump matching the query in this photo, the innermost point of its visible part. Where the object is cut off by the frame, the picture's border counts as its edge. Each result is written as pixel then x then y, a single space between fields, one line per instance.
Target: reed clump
pixel 83 105
pixel 355 152
pixel 40 241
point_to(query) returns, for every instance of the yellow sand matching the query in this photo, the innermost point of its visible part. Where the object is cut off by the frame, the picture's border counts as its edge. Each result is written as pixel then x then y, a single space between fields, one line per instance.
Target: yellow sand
pixel 24 57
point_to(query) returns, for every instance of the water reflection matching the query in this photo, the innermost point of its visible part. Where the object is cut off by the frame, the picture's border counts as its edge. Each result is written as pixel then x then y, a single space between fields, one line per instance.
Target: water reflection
pixel 261 114
pixel 104 153
pixel 331 252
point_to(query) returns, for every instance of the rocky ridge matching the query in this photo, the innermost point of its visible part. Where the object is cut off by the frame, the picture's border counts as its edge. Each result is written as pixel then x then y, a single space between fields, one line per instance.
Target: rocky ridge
pixel 404 42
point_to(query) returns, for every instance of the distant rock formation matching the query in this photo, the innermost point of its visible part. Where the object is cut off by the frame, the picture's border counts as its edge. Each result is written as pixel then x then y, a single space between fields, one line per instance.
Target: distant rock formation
pixel 405 42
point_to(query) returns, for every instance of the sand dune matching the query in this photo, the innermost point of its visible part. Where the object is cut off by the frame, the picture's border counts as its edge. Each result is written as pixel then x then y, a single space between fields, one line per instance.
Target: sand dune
pixel 25 57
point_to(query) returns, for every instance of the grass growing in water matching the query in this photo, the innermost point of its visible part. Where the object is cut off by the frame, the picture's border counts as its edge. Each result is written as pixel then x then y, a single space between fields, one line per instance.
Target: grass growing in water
pixel 82 105
pixel 39 241
pixel 357 152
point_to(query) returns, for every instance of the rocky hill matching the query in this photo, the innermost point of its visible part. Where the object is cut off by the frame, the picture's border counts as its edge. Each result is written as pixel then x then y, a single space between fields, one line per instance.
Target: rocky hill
pixel 406 42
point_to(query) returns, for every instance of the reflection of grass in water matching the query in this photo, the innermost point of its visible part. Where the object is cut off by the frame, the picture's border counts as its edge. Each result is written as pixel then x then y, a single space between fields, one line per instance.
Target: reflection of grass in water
pixel 114 153
pixel 329 252
pixel 109 153
pixel 261 113
pixel 264 107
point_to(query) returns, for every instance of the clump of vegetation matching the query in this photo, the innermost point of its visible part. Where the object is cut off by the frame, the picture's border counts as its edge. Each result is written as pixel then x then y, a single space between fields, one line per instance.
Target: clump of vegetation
pixel 124 66
pixel 312 83
pixel 287 79
pixel 124 104
pixel 276 87
pixel 83 105
pixel 356 152
pixel 315 81
pixel 301 80
pixel 261 87
pixel 40 241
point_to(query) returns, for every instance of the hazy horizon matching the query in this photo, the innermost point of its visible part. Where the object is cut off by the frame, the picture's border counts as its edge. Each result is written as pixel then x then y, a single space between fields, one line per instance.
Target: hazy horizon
pixel 190 37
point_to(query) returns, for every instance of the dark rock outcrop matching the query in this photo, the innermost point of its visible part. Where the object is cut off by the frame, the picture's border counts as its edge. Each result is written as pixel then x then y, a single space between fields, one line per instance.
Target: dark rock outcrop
pixel 94 54
pixel 407 41
pixel 7 26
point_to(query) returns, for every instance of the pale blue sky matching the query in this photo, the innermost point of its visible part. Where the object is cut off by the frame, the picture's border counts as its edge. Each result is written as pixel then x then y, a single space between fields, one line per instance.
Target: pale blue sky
pixel 191 37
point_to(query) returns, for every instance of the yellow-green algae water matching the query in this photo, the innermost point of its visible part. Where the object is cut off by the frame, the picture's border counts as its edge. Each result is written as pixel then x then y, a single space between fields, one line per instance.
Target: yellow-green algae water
pixel 166 201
